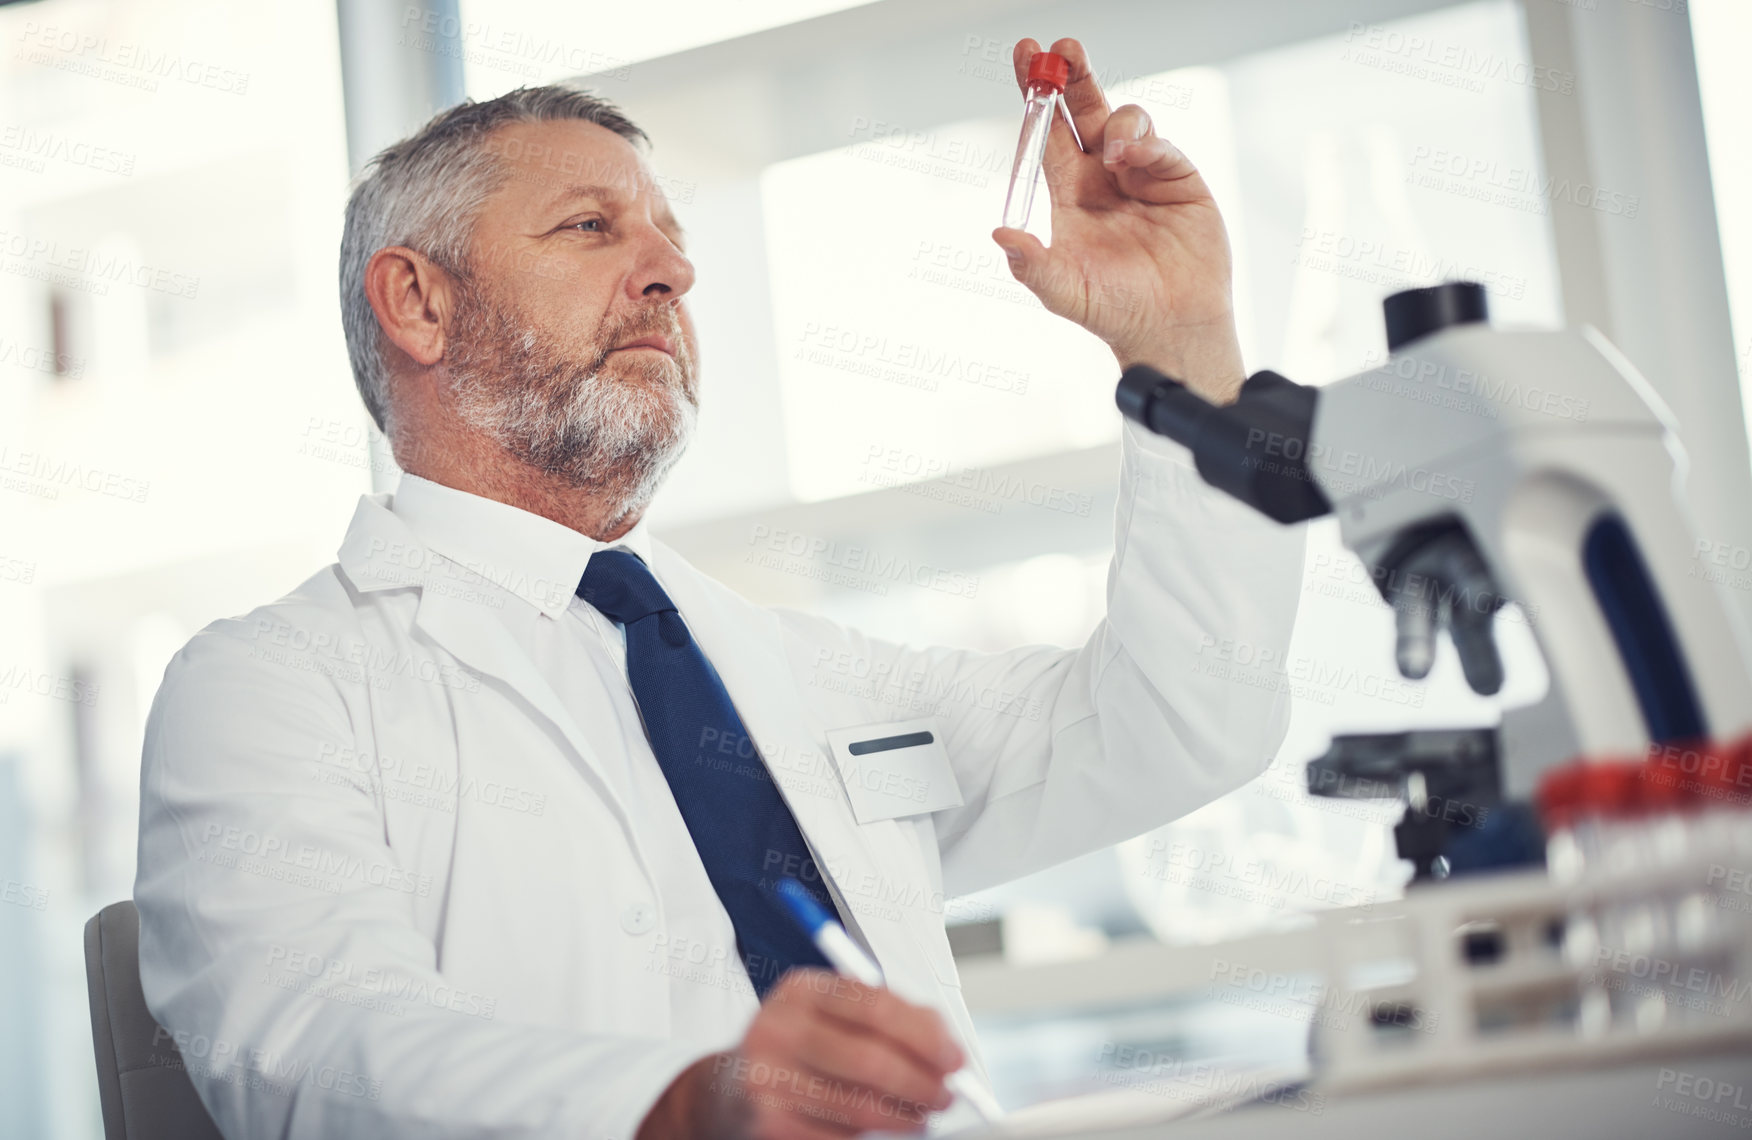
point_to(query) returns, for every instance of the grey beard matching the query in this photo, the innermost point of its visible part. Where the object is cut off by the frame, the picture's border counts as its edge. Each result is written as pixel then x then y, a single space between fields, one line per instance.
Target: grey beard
pixel 615 435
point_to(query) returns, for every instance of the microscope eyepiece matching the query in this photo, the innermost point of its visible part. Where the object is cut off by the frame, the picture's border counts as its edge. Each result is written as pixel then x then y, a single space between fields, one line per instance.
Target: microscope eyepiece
pixel 1416 313
pixel 1257 449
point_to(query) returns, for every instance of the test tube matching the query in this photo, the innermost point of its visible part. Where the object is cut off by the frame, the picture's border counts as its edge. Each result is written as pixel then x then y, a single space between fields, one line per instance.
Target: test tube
pixel 1047 74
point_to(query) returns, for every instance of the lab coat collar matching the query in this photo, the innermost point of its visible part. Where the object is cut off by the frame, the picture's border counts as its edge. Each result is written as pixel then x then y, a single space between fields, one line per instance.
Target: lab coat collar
pixel 382 551
pixel 535 558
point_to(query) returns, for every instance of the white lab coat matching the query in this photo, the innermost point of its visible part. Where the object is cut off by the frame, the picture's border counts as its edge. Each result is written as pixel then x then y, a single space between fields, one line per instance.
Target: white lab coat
pixel 334 959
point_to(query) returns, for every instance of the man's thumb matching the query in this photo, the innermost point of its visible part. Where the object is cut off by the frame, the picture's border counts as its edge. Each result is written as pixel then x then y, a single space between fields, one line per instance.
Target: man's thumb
pixel 1026 255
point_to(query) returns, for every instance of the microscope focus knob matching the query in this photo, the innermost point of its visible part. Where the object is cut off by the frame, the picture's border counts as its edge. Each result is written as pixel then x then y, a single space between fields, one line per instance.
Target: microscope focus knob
pixel 1419 312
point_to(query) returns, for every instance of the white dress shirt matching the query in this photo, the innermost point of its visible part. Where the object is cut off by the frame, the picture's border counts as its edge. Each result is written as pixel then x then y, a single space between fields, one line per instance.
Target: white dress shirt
pixel 583 656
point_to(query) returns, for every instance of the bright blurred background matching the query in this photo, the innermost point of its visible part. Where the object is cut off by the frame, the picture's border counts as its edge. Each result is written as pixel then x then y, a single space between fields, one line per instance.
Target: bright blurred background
pixel 180 438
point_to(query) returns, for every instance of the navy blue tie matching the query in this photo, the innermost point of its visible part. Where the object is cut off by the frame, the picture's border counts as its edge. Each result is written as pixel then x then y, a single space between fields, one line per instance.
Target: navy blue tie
pixel 744 833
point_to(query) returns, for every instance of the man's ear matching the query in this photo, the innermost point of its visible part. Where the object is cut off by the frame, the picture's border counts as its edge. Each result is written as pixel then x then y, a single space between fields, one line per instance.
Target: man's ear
pixel 411 297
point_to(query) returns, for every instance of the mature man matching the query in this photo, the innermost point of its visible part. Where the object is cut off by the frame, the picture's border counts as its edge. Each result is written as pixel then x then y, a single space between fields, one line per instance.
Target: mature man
pixel 475 833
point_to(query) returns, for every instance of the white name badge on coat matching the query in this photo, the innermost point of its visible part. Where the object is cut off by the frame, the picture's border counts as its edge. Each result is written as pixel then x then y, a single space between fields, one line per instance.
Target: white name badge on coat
pixel 893 769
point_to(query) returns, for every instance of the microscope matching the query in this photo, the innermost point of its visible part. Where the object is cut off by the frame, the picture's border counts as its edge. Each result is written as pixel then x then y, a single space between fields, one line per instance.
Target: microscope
pixel 1475 468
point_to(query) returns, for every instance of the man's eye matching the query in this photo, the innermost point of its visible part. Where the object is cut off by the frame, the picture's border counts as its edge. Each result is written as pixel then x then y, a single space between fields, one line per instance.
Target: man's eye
pixel 596 222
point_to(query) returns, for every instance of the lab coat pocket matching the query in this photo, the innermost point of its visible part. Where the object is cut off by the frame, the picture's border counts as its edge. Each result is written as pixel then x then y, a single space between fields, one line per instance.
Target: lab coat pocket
pixel 895 769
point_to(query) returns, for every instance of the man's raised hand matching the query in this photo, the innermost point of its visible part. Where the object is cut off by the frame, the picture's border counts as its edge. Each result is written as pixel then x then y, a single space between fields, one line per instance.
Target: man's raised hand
pixel 1139 255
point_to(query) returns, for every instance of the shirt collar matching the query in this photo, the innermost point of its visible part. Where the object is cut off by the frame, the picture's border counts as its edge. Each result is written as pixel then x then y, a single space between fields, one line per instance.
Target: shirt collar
pixel 535 558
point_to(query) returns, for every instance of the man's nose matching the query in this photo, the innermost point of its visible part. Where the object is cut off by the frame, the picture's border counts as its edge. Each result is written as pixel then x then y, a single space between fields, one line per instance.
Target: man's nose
pixel 663 271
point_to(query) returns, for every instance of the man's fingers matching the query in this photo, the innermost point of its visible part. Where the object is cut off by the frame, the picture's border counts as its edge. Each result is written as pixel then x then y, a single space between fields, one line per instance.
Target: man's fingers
pixel 1083 96
pixel 806 991
pixel 778 1124
pixel 868 1056
pixel 1023 251
pixel 1158 158
pixel 898 1024
pixel 1032 264
pixel 914 1028
pixel 1019 57
pixel 873 1009
pixel 1132 144
pixel 1061 148
pixel 1127 125
pixel 861 1059
pixel 1154 171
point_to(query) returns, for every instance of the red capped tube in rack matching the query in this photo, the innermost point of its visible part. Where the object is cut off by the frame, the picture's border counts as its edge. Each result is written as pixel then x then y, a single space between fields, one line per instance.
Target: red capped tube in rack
pixel 1669 778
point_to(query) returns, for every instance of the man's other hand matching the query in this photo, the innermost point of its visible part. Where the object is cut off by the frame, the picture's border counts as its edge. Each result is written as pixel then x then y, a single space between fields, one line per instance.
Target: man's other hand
pixel 1139 256
pixel 824 1057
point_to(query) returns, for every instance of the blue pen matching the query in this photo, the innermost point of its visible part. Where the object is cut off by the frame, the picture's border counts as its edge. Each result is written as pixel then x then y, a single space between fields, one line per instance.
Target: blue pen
pixel 849 958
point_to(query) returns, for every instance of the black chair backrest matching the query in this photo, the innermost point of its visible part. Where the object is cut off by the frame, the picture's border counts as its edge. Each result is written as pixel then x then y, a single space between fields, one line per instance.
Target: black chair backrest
pixel 146 1094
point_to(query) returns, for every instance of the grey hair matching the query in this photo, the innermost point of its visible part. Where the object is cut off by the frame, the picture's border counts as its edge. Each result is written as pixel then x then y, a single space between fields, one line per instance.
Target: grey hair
pixel 425 191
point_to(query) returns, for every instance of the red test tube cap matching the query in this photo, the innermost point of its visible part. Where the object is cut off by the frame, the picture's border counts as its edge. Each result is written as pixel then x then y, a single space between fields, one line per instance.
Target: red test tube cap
pixel 1729 781
pixel 1602 789
pixel 1049 68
